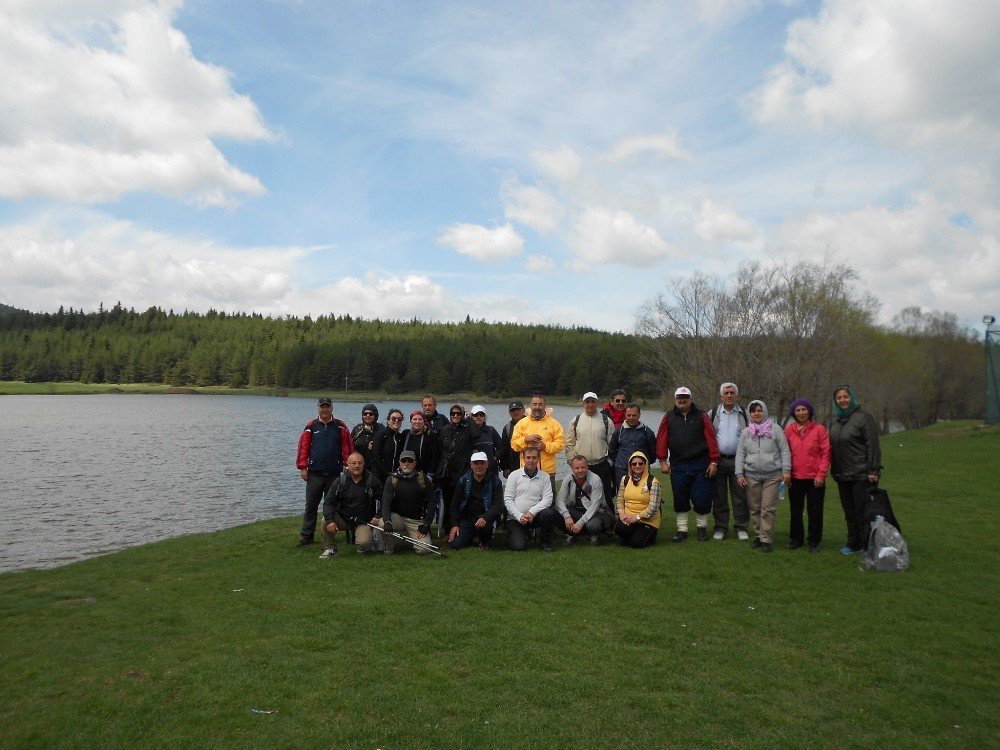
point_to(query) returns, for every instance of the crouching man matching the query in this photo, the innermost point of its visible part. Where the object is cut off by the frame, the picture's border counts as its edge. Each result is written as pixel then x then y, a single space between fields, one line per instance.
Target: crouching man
pixel 580 502
pixel 407 505
pixel 528 499
pixel 476 504
pixel 349 505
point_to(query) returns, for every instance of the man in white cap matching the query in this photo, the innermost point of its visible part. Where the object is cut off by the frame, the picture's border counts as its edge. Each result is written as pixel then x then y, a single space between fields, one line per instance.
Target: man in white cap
pixel 488 441
pixel 689 453
pixel 476 505
pixel 588 435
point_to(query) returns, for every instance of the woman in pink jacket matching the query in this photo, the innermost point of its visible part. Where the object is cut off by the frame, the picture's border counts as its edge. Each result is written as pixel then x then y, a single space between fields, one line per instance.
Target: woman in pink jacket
pixel 810 445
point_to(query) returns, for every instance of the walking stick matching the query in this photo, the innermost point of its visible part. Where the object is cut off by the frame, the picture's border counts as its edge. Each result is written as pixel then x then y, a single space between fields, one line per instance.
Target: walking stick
pixel 415 542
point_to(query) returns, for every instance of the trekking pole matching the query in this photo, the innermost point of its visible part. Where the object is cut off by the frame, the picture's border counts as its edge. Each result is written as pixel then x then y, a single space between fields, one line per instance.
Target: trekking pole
pixel 415 542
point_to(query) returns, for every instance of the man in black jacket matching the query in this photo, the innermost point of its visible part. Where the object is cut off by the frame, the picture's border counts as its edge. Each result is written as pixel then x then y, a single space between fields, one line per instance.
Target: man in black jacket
pixel 509 459
pixel 349 506
pixel 407 504
pixel 476 504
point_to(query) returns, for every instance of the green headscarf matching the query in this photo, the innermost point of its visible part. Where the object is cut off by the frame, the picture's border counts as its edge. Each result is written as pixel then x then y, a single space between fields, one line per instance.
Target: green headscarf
pixel 850 407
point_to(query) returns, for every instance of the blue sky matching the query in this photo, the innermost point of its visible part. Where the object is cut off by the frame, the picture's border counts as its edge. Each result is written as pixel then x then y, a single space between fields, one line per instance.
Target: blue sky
pixel 539 162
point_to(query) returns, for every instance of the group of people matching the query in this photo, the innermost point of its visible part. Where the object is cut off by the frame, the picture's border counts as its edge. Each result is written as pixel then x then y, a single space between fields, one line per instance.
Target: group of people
pixel 381 483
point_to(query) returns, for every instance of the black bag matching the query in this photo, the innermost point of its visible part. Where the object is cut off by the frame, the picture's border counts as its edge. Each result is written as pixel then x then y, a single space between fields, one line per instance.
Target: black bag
pixel 877 504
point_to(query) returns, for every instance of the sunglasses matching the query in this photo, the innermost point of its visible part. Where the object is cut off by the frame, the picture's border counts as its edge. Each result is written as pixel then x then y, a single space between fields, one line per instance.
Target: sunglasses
pixel 637 463
pixel 618 401
pixel 456 414
pixel 395 419
pixel 367 414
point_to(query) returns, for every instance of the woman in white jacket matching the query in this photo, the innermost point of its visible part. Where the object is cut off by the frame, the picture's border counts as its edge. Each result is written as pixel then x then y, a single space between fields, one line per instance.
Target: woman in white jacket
pixel 763 462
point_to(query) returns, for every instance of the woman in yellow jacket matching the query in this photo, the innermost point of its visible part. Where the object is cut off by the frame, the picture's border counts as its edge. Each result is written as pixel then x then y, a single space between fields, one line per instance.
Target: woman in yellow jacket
pixel 638 504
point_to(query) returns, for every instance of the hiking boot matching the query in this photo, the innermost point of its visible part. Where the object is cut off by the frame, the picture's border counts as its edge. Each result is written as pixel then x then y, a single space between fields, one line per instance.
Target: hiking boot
pixel 702 534
pixel 305 541
pixel 680 536
pixel 756 544
pixel 767 546
pixel 742 535
pixel 328 553
pixel 719 535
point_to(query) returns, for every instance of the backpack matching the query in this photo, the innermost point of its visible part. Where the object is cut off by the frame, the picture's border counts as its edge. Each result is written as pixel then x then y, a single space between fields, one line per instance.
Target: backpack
pixel 607 421
pixel 420 480
pixel 877 504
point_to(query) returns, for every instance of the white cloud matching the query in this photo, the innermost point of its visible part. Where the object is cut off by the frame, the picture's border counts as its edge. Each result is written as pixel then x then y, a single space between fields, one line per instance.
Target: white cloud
pixel 665 145
pixel 601 235
pixel 531 206
pixel 721 222
pixel 562 164
pixel 481 242
pixel 105 98
pixel 540 263
pixel 911 256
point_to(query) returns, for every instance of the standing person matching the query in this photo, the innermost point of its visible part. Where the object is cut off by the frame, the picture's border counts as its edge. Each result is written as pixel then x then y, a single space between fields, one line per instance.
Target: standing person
pixel 686 447
pixel 435 420
pixel 729 419
pixel 510 459
pixel 638 504
pixel 365 432
pixel 763 462
pixel 350 505
pixel 588 435
pixel 615 407
pixel 455 439
pixel 632 436
pixel 528 499
pixel 856 460
pixel 488 440
pixel 423 442
pixel 387 445
pixel 539 430
pixel 809 443
pixel 324 446
pixel 476 504
pixel 581 503
pixel 407 505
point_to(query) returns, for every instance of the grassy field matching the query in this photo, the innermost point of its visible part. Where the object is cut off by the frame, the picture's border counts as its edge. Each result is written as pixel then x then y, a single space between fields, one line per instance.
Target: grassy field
pixel 175 644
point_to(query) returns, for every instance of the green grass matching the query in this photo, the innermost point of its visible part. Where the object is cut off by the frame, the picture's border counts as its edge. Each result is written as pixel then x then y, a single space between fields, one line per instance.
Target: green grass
pixel 692 645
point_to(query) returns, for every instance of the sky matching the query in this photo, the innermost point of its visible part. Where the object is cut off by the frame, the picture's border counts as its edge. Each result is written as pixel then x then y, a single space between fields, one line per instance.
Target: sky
pixel 538 162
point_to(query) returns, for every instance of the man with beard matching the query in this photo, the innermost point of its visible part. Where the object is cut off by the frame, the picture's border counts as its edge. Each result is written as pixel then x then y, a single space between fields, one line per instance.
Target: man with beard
pixel 407 505
pixel 539 430
pixel 324 446
pixel 349 506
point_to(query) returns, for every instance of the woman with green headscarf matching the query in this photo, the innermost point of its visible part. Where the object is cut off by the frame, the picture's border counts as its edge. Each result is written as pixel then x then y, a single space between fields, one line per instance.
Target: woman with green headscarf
pixel 856 462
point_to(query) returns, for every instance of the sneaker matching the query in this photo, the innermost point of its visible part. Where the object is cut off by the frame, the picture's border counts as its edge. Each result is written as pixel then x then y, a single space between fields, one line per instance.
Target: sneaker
pixel 680 536
pixel 719 535
pixel 742 535
pixel 595 539
pixel 546 547
pixel 766 546
pixel 756 544
pixel 328 553
pixel 305 541
pixel 814 548
pixel 845 550
pixel 794 545
pixel 702 534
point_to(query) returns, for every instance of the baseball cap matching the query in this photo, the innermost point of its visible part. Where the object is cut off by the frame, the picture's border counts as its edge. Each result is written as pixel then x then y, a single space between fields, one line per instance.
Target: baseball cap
pixel 325 400
pixel 589 394
pixel 408 454
pixel 515 405
pixel 478 409
pixel 480 456
pixel 682 391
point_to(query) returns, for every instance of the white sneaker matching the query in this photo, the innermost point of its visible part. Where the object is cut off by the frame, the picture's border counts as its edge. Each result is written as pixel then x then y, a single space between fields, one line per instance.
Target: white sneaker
pixel 328 553
pixel 742 535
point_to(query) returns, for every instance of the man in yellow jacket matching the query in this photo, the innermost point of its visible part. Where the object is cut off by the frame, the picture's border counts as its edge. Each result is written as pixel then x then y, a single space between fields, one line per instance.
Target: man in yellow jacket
pixel 539 430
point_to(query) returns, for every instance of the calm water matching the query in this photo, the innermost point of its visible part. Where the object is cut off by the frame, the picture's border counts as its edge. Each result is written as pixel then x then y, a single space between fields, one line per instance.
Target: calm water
pixel 85 475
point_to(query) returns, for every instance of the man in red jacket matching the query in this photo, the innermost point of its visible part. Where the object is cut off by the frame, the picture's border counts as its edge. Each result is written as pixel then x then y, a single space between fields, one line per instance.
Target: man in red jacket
pixel 324 446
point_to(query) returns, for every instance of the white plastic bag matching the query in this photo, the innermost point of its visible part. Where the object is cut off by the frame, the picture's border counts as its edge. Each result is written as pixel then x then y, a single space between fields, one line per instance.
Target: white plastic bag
pixel 887 550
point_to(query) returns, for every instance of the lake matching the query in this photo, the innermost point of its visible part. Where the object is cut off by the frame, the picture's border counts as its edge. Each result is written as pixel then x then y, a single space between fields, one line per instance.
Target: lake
pixel 86 475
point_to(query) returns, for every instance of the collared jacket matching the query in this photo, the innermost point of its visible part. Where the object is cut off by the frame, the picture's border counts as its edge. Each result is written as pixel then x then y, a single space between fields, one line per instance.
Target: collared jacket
pixel 324 447
pixel 810 450
pixel 854 446
pixel 551 433
pixel 627 440
pixel 589 498
pixel 589 436
pixel 686 437
pixel 492 489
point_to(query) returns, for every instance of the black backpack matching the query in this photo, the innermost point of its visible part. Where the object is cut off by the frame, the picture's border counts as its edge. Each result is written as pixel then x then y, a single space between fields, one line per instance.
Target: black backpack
pixel 877 504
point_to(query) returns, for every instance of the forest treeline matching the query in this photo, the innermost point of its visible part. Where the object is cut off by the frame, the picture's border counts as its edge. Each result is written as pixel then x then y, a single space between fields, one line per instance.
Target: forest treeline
pixel 501 360
pixel 779 332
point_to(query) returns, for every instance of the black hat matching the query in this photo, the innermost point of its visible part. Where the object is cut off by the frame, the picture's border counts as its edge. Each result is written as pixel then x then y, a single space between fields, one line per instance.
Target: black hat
pixel 515 405
pixel 325 400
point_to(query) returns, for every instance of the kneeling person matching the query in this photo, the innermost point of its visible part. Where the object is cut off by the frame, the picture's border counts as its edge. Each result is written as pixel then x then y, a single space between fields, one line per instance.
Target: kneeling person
pixel 638 504
pixel 407 505
pixel 580 501
pixel 528 499
pixel 348 506
pixel 476 504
